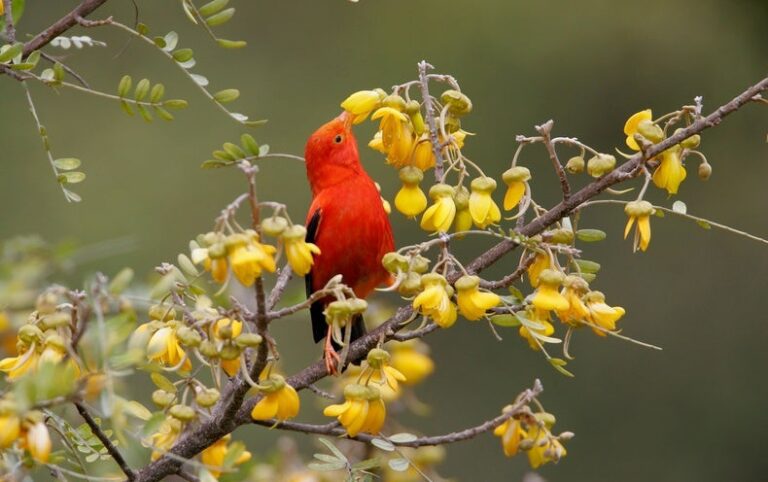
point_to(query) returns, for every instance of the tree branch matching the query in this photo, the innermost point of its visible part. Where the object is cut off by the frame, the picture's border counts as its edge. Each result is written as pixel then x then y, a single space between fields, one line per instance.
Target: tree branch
pixel 228 414
pixel 546 133
pixel 430 111
pixel 333 428
pixel 113 451
pixel 63 24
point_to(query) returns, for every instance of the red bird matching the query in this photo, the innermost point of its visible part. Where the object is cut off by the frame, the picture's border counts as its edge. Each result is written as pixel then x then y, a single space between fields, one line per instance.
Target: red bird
pixel 346 221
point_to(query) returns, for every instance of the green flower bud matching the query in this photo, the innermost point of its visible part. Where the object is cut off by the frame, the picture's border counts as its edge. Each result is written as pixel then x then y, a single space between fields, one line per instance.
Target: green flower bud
pixel 516 174
pixel 229 352
pixel 251 340
pixel 207 397
pixel 274 226
pixel 705 171
pixel 393 262
pixel 183 413
pixel 601 165
pixel 188 336
pixel 458 103
pixel 561 236
pixel 55 320
pixel 461 197
pixel 162 399
pixel 208 349
pixel 575 165
pixel 410 175
pixel 419 264
pixel 650 131
pixel 377 358
pixel 30 334
pixel 394 101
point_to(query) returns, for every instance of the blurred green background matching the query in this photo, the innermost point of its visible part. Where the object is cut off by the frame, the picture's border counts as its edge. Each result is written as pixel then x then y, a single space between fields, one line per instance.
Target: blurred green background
pixel 695 411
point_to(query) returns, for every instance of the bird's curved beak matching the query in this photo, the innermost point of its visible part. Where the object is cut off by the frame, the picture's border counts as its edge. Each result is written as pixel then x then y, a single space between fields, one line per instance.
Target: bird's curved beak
pixel 346 118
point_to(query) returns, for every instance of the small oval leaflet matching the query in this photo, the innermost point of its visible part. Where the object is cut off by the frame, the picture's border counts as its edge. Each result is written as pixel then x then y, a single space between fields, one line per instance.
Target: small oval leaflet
pixel 382 444
pixel 679 207
pixel 399 465
pixel 590 235
pixel 402 438
pixel 67 163
pixel 71 177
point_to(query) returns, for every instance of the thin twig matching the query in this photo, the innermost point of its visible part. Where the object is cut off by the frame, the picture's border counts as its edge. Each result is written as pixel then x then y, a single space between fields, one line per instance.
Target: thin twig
pixel 546 133
pixel 282 282
pixel 430 112
pixel 68 69
pixel 509 279
pixel 113 451
pixel 10 29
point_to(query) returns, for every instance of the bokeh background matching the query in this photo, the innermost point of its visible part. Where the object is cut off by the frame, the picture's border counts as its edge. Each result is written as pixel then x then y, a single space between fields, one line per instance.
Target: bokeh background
pixel 695 411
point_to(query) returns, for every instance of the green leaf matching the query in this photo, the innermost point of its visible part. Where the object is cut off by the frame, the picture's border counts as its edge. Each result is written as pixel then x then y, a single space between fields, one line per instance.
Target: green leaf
pixel 48 76
pixel 67 163
pixel 212 7
pixel 249 144
pixel 590 235
pixel 220 18
pixel 157 93
pixel 188 11
pixel 587 266
pixel 223 156
pixel 215 164
pixel 142 28
pixel 326 467
pixel 255 123
pixel 182 55
pixel 176 104
pixel 403 437
pixel 326 458
pixel 200 80
pixel 144 113
pixel 679 207
pixel 231 44
pixel 367 464
pixel 8 52
pixel 399 465
pixel 58 71
pixel 124 87
pixel 34 58
pixel 226 95
pixel 588 277
pixel 162 383
pixel 186 265
pixel 234 150
pixel 263 150
pixel 142 89
pixel 72 196
pixel 126 107
pixel 137 410
pixel 120 281
pixel 507 320
pixel 163 114
pixel 333 449
pixel 704 224
pixel 71 177
pixel 382 444
pixel 659 213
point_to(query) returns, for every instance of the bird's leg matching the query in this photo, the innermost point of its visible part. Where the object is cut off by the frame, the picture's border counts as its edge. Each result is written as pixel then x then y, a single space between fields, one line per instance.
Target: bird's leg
pixel 331 357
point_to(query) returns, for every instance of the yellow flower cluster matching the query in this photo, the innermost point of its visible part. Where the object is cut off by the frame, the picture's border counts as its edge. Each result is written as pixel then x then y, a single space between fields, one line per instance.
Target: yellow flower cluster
pixel 531 433
pixel 435 300
pixel 29 432
pixel 298 251
pixel 363 410
pixel 242 252
pixel 160 342
pixel 35 347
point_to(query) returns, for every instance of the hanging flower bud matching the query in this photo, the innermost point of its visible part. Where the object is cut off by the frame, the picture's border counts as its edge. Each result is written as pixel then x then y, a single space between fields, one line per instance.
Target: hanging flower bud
pixel 601 314
pixel 463 220
pixel 575 165
pixel 458 103
pixel 361 104
pixel 274 226
pixel 630 127
pixel 362 412
pixel 547 296
pixel 423 156
pixel 482 207
pixel 515 178
pixel 671 172
pixel 297 250
pixel 410 199
pixel 435 300
pixel 439 216
pixel 639 211
pixel 472 302
pixel 279 400
pixel 413 109
pixel 705 171
pixel 600 165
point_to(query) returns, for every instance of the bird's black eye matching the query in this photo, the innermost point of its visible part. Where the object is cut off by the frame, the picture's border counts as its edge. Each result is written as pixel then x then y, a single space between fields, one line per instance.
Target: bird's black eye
pixel 338 139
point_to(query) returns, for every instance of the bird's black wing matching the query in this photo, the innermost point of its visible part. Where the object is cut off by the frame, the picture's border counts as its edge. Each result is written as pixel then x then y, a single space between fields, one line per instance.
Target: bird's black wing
pixel 319 326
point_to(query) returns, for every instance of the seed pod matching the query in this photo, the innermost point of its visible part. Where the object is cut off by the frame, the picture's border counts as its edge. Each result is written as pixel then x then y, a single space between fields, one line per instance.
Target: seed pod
pixel 601 165
pixel 575 165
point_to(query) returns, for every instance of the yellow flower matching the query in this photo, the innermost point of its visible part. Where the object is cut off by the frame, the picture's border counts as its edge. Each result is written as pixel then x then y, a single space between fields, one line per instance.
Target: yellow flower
pixel 396 135
pixel 2 8
pixel 547 296
pixel 38 442
pixel 213 257
pixel 671 171
pixel 355 373
pixel 279 400
pixel 601 314
pixel 213 457
pixel 377 144
pixel 378 362
pixel 544 328
pixel 545 448
pixel 630 127
pixel 54 352
pixel 410 199
pixel 361 104
pixel 362 412
pixel 423 156
pixel 511 432
pixel 482 207
pixel 439 216
pixel 298 251
pixel 410 359
pixel 164 347
pixel 166 435
pixel 639 211
pixel 10 427
pixel 248 259
pixel 516 178
pixel 223 330
pixel 18 365
pixel 541 262
pixel 435 300
pixel 577 311
pixel 472 302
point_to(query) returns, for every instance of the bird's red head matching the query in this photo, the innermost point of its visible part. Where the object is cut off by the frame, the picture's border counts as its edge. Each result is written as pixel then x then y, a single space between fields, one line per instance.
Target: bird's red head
pixel 331 153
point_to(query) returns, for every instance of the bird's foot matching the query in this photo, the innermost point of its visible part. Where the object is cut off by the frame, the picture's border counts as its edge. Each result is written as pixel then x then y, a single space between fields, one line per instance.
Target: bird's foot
pixel 330 356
